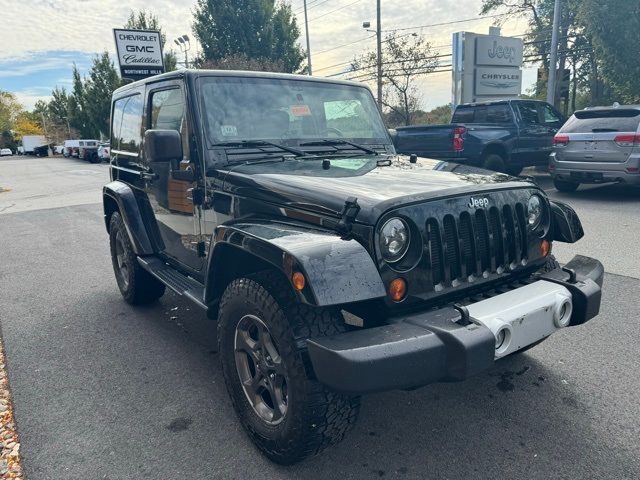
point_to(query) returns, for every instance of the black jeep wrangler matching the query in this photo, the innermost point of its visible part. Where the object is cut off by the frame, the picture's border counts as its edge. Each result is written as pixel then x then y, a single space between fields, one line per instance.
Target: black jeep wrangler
pixel 332 266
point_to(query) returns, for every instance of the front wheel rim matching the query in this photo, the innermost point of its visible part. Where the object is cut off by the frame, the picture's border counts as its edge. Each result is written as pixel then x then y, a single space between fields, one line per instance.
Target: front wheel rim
pixel 121 260
pixel 261 370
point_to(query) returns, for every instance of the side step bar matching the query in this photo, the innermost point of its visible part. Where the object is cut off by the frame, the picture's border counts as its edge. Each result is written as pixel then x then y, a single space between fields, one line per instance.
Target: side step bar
pixel 176 281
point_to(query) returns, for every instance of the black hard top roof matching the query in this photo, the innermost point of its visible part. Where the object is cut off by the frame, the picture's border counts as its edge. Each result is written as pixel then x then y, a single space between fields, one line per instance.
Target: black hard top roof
pixel 192 73
pixel 498 102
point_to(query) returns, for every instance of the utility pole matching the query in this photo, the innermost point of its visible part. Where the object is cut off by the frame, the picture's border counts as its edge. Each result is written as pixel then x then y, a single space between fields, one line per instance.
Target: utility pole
pixel 379 41
pixel 553 58
pixel 306 28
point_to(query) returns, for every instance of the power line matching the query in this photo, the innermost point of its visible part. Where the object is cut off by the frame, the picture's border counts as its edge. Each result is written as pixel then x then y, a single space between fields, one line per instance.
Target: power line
pixel 335 10
pixel 344 45
pixel 310 5
pixel 446 23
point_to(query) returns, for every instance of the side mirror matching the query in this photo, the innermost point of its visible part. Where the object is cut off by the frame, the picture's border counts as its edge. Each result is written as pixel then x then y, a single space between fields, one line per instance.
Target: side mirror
pixel 162 145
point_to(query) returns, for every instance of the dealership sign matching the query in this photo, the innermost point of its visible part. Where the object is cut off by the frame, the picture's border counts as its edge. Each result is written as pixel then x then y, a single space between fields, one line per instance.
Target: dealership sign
pixel 497 81
pixel 499 51
pixel 139 53
pixel 486 67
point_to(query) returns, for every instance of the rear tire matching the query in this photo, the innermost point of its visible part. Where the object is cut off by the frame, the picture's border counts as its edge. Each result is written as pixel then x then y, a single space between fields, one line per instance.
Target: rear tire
pixel 307 417
pixel 494 162
pixel 138 287
pixel 565 185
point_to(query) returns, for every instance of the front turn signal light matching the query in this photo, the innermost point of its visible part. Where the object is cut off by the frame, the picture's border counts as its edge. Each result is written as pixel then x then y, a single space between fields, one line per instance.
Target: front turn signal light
pixel 545 247
pixel 298 281
pixel 397 289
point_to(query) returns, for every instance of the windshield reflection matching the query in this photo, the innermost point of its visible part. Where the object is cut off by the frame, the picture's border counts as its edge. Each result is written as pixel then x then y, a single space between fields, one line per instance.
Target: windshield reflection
pixel 288 111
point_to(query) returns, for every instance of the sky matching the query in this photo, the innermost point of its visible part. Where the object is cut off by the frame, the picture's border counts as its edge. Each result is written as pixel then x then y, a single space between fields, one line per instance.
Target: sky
pixel 46 37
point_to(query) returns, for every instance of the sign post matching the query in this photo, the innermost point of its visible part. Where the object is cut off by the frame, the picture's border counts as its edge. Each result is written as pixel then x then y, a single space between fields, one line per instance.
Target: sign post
pixel 139 53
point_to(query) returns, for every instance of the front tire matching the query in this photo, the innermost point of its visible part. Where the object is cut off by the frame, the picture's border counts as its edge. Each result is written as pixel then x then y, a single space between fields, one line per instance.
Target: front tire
pixel 138 287
pixel 261 333
pixel 565 185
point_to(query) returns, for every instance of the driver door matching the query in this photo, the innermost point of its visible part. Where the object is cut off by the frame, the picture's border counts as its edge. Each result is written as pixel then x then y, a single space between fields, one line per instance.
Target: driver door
pixel 168 186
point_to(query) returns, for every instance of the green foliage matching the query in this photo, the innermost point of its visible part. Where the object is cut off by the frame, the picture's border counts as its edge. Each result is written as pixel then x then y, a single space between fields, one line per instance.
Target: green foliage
pixel 615 47
pixel 243 62
pixel 10 110
pixel 88 107
pixel 146 20
pixel 597 42
pixel 259 29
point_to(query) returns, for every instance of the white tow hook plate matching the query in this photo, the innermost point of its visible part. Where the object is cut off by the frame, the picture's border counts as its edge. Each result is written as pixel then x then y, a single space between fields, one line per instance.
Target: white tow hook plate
pixel 523 316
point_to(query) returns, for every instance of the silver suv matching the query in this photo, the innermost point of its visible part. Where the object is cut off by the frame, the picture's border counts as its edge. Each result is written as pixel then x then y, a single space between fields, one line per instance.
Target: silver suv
pixel 597 145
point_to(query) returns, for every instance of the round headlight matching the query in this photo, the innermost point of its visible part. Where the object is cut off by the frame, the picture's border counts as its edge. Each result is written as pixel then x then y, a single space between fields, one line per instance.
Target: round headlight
pixel 535 211
pixel 394 239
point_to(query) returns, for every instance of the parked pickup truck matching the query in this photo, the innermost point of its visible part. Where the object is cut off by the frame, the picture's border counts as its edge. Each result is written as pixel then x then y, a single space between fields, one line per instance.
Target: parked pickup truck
pixel 504 136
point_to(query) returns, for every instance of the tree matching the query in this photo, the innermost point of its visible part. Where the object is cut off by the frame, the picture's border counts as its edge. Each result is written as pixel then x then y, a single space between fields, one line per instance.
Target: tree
pixel 242 62
pixel 99 86
pixel 10 108
pixel 259 29
pixel 145 20
pixel 77 109
pixel 405 59
pixel 26 125
pixel 615 47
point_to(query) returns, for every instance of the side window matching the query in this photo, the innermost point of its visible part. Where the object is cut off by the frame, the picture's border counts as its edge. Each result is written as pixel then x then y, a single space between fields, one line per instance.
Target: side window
pixel 463 115
pixel 116 121
pixel 130 135
pixel 548 115
pixel 529 113
pixel 498 114
pixel 167 109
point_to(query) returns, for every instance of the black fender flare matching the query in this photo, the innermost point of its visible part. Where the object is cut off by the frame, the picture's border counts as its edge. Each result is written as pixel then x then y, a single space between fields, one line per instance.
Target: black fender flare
pixel 565 223
pixel 336 271
pixel 120 194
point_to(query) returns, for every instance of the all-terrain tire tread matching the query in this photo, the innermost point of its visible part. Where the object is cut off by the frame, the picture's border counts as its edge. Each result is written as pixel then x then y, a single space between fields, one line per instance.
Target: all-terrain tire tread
pixel 327 415
pixel 143 287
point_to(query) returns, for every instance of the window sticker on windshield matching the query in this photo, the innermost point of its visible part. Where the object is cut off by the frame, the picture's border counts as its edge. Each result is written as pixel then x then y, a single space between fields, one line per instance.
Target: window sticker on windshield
pixel 229 130
pixel 300 110
pixel 350 164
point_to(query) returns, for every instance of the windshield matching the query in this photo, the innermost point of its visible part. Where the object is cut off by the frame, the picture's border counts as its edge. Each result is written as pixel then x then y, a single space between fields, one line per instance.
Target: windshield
pixel 288 111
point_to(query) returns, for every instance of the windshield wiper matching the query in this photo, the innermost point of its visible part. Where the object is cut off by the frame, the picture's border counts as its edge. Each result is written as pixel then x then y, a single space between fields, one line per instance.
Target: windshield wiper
pixel 596 130
pixel 261 143
pixel 338 141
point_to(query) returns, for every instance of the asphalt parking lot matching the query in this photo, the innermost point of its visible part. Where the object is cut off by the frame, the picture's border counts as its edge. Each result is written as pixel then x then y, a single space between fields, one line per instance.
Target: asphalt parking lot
pixel 103 390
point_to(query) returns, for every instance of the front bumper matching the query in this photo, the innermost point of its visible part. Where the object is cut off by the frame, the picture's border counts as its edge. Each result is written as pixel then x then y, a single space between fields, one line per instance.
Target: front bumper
pixel 438 346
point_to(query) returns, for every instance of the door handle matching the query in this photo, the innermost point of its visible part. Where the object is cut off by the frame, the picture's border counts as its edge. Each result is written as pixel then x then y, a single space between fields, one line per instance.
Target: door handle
pixel 148 176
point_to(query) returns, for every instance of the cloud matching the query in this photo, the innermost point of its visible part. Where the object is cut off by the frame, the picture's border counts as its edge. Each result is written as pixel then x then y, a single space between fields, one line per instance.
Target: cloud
pixel 58 33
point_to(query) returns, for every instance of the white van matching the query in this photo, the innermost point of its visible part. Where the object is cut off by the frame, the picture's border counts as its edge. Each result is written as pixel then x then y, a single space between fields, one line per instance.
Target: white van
pixel 71 148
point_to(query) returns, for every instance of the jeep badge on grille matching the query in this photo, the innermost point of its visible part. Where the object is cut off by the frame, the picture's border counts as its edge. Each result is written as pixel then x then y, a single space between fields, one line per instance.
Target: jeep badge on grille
pixel 478 202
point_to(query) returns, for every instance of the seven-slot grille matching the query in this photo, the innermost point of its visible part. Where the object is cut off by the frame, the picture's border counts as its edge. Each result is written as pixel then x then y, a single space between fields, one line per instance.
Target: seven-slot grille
pixel 473 244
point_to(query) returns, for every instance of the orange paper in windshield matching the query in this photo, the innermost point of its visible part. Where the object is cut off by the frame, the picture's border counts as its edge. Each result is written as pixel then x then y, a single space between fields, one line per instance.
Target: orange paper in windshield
pixel 300 110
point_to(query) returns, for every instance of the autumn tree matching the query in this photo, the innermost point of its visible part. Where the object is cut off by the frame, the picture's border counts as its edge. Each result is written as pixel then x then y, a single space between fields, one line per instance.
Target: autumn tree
pixel 10 110
pixel 146 20
pixel 405 58
pixel 263 30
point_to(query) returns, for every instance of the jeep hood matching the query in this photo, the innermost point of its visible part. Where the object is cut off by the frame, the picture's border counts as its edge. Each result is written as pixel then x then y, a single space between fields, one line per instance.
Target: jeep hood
pixel 379 188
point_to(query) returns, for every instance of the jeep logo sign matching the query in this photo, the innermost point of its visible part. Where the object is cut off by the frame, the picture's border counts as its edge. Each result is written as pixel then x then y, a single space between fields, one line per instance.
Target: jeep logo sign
pixel 478 202
pixel 139 53
pixel 499 51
